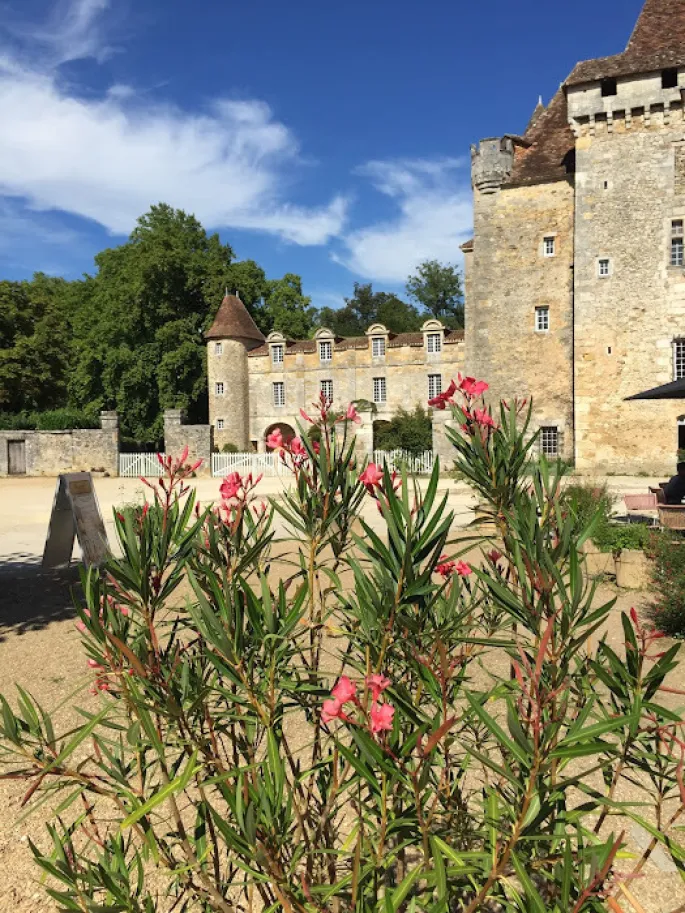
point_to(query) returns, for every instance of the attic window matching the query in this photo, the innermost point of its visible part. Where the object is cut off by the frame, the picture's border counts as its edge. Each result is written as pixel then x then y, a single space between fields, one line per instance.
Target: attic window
pixel 609 87
pixel 669 78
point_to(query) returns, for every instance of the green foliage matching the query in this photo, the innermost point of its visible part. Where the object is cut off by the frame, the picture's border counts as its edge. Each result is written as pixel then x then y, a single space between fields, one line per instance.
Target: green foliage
pixel 370 725
pixel 367 307
pixel 438 288
pixel 286 310
pixel 410 431
pixel 667 608
pixel 615 537
pixel 52 420
pixel 230 448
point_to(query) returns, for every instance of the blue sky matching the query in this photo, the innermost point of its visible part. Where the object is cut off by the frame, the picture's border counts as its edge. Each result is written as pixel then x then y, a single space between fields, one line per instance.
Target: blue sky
pixel 327 139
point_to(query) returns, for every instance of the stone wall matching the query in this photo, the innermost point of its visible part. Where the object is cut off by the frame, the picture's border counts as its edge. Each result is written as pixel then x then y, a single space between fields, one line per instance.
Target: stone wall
pixel 626 323
pixel 198 439
pixel 508 277
pixel 50 453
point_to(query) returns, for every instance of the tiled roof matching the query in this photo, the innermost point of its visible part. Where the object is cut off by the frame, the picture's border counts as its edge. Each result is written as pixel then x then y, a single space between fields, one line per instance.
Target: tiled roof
pixel 233 321
pixel 395 341
pixel 550 155
pixel 657 42
pixel 467 246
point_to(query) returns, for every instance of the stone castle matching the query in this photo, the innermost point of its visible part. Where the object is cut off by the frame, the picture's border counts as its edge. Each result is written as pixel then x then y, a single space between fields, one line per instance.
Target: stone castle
pixel 575 281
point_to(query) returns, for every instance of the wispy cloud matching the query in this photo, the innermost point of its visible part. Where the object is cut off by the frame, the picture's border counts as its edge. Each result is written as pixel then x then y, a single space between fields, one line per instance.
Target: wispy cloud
pixel 108 159
pixel 434 216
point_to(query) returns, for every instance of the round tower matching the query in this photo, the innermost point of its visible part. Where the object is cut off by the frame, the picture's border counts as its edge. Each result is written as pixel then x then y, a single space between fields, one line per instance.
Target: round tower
pixel 232 335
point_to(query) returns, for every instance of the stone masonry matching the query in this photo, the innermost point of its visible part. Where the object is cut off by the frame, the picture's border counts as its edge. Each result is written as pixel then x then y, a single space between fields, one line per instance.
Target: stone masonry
pixel 575 277
pixel 49 453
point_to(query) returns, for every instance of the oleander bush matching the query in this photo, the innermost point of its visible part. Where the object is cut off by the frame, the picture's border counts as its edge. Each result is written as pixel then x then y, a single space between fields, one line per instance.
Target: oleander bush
pixel 667 607
pixel 352 717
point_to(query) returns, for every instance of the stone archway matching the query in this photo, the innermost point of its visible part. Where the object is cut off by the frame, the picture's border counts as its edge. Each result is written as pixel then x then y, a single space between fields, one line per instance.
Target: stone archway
pixel 286 430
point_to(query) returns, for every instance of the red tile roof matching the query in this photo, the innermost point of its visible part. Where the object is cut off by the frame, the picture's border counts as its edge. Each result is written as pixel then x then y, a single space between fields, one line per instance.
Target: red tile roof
pixel 233 321
pixel 657 42
pixel 345 344
pixel 548 154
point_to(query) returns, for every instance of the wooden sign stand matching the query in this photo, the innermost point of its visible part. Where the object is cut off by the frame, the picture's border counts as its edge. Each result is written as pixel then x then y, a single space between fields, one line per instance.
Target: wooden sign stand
pixel 75 514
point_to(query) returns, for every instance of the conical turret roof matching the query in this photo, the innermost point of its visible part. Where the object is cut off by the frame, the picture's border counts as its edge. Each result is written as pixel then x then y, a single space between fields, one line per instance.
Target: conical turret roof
pixel 233 321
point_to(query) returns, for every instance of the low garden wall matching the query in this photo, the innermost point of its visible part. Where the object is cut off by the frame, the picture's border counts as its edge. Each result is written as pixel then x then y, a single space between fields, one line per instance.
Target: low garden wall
pixel 49 453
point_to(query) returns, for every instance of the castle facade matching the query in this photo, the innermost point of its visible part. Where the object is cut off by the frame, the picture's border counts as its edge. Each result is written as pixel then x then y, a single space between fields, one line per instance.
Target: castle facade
pixel 258 384
pixel 574 279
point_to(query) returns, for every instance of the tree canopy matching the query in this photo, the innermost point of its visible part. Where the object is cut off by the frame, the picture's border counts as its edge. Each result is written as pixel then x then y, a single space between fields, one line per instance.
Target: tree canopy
pixel 367 307
pixel 438 288
pixel 131 337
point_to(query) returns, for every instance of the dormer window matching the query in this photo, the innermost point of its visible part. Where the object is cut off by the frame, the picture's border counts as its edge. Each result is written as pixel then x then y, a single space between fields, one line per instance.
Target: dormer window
pixel 609 87
pixel 277 353
pixel 433 343
pixel 325 351
pixel 378 347
pixel 669 78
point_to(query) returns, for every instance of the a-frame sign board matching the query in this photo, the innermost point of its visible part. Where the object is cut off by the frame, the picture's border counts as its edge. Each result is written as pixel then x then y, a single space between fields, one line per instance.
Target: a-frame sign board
pixel 75 514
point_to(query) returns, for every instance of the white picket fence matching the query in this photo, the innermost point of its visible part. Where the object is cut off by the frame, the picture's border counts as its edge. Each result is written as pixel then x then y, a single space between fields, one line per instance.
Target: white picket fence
pixel 269 465
pixel 133 465
pixel 421 464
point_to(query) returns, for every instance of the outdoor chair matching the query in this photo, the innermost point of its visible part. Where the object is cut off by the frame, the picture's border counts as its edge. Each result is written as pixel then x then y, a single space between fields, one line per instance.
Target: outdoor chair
pixel 637 505
pixel 660 494
pixel 672 516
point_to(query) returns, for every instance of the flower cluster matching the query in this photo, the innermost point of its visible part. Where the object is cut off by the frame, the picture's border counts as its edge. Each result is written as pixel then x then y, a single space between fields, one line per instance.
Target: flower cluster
pixel 173 485
pixel 372 478
pixel 377 720
pixel 470 389
pixel 447 568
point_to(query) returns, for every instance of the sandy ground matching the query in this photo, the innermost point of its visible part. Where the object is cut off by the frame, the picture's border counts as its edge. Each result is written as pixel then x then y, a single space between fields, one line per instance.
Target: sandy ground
pixel 39 647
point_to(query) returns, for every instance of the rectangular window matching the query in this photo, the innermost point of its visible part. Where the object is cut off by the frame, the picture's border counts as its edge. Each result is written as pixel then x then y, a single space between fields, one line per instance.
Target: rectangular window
pixel 277 355
pixel 219 389
pixel 279 393
pixel 326 351
pixel 669 78
pixel 677 243
pixel 327 389
pixel 603 268
pixel 542 319
pixel 379 390
pixel 434 385
pixel 609 87
pixel 219 424
pixel 549 247
pixel 549 441
pixel 218 348
pixel 679 359
pixel 378 347
pixel 434 343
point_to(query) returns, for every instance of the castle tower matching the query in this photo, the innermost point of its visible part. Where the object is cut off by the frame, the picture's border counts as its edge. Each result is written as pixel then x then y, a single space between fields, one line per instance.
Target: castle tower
pixel 232 335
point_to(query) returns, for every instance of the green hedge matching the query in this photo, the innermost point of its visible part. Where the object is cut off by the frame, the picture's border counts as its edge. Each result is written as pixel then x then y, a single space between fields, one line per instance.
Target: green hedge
pixel 667 610
pixel 54 420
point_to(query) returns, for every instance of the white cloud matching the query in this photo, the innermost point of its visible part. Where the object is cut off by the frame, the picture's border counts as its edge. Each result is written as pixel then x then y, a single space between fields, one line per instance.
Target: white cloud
pixel 109 159
pixel 434 217
pixel 73 32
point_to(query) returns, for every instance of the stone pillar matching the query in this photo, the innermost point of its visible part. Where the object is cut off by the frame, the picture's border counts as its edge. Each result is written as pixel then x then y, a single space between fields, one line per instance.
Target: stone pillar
pixel 364 438
pixel 442 446
pixel 198 439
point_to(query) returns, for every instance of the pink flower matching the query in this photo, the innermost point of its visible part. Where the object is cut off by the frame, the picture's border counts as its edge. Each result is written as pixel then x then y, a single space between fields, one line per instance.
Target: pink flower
pixel 446 568
pixel 633 615
pixel 230 486
pixel 331 710
pixel 371 476
pixel 306 417
pixel 472 387
pixel 377 684
pixel 483 418
pixel 352 415
pixel 463 569
pixel 344 691
pixel 381 717
pixel 494 555
pixel 94 664
pixel 275 440
pixel 297 448
pixel 442 399
pixel 316 447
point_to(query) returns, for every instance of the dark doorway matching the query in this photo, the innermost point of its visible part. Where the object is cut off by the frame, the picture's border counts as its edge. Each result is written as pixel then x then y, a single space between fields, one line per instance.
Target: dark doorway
pixel 16 458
